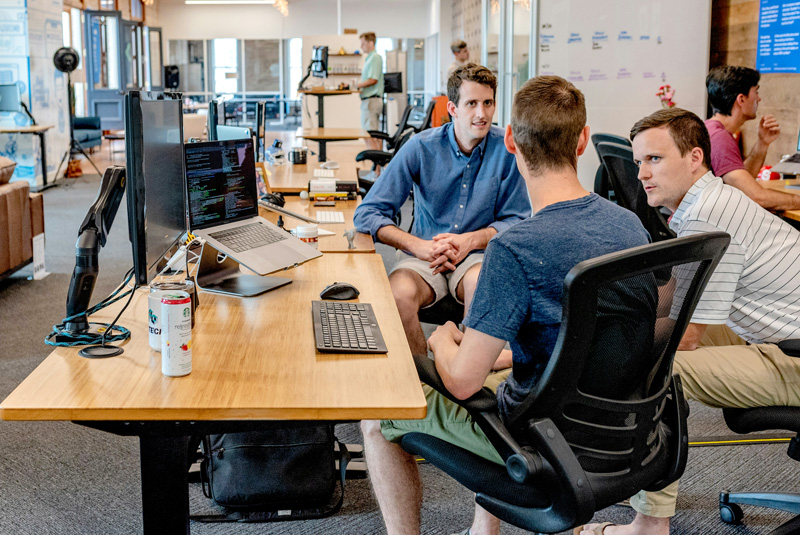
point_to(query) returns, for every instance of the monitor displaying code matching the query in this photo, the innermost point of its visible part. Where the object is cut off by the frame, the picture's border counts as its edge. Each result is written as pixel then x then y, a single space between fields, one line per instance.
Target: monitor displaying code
pixel 779 36
pixel 221 182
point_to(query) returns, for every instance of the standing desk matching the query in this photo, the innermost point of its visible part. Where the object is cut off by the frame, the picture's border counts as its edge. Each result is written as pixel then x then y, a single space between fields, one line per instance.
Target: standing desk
pixel 327 244
pixel 254 362
pixel 325 135
pixel 321 100
pixel 36 130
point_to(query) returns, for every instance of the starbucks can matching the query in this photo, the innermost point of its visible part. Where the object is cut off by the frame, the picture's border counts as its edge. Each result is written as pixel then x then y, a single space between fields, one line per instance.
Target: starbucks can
pixel 176 333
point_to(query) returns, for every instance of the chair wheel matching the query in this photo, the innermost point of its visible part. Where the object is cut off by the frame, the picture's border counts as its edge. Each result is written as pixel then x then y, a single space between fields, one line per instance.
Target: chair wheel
pixel 730 513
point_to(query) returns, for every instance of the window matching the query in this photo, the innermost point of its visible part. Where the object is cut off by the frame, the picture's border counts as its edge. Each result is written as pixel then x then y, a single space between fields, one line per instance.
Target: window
pixel 295 63
pixel 225 60
pixel 262 70
pixel 108 5
pixel 137 13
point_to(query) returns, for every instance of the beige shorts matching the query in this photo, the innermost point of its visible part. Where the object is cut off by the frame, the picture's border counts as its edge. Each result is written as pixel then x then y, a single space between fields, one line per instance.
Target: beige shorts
pixel 371 109
pixel 442 283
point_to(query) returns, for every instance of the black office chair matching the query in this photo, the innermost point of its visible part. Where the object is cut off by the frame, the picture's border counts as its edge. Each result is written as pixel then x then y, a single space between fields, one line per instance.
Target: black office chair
pixel 622 175
pixel 763 419
pixel 379 158
pixel 427 121
pixel 394 139
pixel 607 418
pixel 601 185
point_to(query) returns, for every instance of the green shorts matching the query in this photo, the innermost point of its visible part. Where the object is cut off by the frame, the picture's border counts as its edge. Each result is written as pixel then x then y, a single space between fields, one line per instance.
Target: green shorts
pixel 449 422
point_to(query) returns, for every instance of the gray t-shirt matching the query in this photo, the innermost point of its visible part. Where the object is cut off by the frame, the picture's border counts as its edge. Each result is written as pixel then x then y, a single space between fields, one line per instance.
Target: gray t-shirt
pixel 518 297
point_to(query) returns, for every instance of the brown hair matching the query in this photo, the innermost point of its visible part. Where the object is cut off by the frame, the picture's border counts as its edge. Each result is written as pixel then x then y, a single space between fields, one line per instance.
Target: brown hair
pixel 471 72
pixel 547 118
pixel 457 46
pixel 367 36
pixel 686 129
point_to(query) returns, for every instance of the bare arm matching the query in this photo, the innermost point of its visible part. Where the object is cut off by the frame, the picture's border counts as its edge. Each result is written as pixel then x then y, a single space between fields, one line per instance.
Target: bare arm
pixel 768 131
pixel 464 366
pixel 366 83
pixel 691 338
pixel 767 198
pixel 423 249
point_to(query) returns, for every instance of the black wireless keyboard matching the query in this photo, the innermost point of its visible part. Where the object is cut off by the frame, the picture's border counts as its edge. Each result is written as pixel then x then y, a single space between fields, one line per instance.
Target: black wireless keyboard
pixel 346 328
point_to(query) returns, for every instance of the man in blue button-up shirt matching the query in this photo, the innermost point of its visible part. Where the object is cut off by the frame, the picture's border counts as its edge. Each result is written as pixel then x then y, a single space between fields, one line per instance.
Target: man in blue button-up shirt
pixel 466 189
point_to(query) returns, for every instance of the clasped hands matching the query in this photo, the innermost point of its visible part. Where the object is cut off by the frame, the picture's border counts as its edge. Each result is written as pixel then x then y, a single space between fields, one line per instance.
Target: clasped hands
pixel 445 251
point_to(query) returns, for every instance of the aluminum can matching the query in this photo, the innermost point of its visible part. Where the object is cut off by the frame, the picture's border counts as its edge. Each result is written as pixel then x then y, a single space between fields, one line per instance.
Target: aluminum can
pixel 176 333
pixel 154 317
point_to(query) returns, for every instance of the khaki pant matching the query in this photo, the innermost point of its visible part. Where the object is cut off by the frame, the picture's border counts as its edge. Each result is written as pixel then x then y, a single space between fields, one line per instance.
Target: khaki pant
pixel 726 372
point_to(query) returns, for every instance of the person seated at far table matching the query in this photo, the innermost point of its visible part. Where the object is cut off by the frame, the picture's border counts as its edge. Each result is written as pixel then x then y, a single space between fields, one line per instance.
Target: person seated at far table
pixel 466 189
pixel 518 298
pixel 733 95
pixel 728 356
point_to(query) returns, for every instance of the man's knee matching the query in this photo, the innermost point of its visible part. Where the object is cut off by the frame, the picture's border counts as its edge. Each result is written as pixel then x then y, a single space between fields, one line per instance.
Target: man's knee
pixel 469 282
pixel 408 291
pixel 371 428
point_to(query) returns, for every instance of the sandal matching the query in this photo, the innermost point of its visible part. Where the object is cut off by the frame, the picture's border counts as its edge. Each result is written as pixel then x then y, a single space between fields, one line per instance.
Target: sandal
pixel 598 529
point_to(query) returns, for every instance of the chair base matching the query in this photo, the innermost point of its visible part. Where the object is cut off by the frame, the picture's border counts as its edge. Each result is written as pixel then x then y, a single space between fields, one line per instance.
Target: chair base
pixel 731 513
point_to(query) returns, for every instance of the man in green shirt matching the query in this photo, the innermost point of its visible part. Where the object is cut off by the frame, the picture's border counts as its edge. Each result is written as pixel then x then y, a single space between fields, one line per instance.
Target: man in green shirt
pixel 371 87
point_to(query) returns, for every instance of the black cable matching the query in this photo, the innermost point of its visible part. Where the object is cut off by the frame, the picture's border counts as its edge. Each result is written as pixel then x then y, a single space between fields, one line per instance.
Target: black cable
pixel 72 339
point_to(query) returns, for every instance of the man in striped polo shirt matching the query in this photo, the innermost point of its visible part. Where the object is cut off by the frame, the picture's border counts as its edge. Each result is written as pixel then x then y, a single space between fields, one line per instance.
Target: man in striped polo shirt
pixel 728 356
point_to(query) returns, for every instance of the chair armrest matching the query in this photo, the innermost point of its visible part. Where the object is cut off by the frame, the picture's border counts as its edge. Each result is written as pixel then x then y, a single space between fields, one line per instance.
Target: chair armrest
pixel 92 123
pixel 379 157
pixel 521 464
pixel 378 134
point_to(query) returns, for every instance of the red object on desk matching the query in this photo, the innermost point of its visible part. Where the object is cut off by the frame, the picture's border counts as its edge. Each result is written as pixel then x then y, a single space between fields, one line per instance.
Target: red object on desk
pixel 767 174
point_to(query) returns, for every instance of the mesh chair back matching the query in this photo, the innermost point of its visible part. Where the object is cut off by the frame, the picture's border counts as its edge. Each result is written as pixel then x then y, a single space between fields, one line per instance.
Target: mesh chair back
pixel 607 382
pixel 428 120
pixel 622 175
pixel 601 185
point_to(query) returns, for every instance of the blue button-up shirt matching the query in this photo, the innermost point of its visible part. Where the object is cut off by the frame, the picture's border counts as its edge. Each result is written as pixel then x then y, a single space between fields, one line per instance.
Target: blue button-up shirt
pixel 453 192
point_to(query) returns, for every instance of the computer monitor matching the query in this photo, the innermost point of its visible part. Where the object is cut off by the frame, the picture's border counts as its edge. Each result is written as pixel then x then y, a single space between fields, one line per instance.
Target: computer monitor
pixel 9 98
pixel 393 82
pixel 213 119
pixel 225 132
pixel 319 61
pixel 155 179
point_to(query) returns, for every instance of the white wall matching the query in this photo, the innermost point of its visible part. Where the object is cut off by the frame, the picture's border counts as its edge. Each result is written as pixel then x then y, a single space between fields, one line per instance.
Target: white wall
pixel 387 18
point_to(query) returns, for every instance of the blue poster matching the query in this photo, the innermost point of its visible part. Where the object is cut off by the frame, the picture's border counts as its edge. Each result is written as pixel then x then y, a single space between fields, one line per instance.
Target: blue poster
pixel 779 36
pixel 97 53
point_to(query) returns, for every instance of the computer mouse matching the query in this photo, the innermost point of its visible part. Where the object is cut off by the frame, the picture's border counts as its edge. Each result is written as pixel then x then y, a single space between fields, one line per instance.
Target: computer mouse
pixel 340 291
pixel 275 198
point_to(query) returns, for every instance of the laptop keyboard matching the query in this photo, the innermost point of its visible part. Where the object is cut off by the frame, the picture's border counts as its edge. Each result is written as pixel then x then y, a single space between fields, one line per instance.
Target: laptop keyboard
pixel 346 328
pixel 329 216
pixel 248 237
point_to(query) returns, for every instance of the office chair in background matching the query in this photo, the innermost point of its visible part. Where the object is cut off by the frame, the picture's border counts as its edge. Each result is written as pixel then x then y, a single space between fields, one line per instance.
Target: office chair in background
pixel 402 126
pixel 570 448
pixel 763 419
pixel 629 193
pixel 601 185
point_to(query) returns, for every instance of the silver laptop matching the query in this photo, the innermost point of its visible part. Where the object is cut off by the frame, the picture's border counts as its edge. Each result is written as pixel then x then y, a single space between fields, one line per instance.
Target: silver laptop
pixel 223 208
pixel 790 165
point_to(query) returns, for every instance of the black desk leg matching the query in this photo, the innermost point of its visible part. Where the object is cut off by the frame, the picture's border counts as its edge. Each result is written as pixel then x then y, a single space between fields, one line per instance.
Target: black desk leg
pixel 165 485
pixel 323 155
pixel 44 158
pixel 320 112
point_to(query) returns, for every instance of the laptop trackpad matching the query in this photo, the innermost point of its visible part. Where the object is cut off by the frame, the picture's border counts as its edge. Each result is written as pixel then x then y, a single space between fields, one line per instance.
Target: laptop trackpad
pixel 283 254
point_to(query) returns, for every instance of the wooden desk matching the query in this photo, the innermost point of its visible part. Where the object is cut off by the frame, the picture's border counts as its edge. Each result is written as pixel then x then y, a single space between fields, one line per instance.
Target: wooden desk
pixel 325 135
pixel 783 185
pixel 253 360
pixel 321 100
pixel 327 244
pixel 293 178
pixel 36 130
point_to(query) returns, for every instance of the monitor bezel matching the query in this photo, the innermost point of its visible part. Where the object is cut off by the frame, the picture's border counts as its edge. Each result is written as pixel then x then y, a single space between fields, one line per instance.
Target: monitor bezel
pixel 134 187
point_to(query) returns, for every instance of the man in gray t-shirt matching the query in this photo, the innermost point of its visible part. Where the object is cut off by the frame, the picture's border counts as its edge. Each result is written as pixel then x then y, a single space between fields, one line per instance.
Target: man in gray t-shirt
pixel 517 299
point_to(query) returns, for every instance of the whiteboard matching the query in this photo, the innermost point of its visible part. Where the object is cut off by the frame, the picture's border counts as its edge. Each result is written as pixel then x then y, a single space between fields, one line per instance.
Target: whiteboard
pixel 619 52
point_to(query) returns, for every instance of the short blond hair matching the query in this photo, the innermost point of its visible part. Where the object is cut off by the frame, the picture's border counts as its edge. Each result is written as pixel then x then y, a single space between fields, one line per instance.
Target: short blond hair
pixel 368 36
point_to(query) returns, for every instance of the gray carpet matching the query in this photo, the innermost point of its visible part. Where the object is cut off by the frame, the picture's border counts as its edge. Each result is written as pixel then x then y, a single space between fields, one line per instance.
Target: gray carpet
pixel 60 478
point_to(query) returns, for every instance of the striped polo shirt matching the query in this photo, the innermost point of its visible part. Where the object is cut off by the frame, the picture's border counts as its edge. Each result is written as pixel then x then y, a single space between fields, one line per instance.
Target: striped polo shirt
pixel 756 287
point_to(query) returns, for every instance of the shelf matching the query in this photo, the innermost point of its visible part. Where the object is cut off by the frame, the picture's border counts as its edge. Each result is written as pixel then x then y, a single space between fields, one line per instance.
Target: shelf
pixel 344 73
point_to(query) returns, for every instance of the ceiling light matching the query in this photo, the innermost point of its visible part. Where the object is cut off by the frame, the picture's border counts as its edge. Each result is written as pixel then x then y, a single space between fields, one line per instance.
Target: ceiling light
pixel 230 2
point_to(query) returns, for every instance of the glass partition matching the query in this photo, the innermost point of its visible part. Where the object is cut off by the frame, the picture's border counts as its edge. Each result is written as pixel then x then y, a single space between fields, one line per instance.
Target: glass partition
pixel 262 69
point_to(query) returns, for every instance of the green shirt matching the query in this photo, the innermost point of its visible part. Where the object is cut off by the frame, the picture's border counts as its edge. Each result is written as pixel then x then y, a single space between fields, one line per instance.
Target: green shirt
pixel 373 68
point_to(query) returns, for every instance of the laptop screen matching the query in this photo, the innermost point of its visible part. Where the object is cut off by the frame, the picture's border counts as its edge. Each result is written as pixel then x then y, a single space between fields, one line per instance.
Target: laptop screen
pixel 220 182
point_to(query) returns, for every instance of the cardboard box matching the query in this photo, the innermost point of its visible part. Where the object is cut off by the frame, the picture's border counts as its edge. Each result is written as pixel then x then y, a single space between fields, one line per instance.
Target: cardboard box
pixel 37 214
pixel 15 226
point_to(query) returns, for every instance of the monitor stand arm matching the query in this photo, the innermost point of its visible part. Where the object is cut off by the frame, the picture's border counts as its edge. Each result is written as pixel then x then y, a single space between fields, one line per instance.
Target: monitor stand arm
pixel 92 237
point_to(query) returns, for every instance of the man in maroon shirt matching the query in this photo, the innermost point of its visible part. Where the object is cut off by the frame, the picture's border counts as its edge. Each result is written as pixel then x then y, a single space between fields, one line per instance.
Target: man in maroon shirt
pixel 733 95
